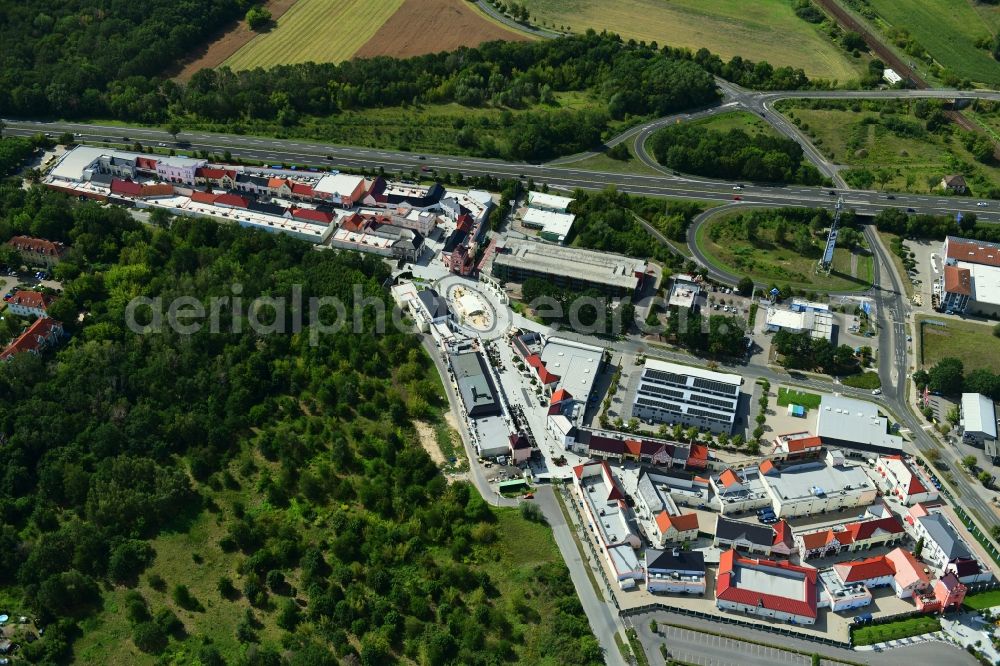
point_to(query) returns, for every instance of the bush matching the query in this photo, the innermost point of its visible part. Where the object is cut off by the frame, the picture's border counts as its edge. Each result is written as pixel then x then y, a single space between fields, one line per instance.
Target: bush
pixel 156 582
pixel 531 511
pixel 149 638
pixel 182 597
pixel 258 18
pixel 167 620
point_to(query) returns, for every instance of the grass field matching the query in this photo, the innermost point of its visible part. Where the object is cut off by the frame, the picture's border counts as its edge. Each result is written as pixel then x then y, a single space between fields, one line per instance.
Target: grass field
pixel 973 344
pixel 864 380
pixel 948 30
pixel 742 120
pixel 602 162
pixel 316 30
pixel 791 396
pixel 766 261
pixel 879 633
pixel 859 139
pixel 760 30
pixel 982 600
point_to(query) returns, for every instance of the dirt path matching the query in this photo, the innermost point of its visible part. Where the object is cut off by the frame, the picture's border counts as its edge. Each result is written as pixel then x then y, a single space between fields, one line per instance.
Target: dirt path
pixel 428 440
pixel 229 42
pixel 431 26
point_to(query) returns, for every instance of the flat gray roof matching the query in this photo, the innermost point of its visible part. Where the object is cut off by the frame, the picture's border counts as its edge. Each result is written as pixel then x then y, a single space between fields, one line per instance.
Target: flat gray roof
pixel 574 263
pixel 855 421
pixel 770 580
pixel 979 414
pixel 817 479
pixel 576 364
pixel 475 387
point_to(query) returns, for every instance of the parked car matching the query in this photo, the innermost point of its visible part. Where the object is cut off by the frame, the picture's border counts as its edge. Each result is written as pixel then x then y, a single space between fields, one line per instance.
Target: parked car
pixel 529 496
pixel 876 391
pixel 737 198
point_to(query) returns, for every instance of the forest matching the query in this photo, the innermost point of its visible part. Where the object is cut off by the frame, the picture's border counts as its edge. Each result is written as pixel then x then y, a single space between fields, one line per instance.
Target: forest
pixel 242 498
pixel 733 155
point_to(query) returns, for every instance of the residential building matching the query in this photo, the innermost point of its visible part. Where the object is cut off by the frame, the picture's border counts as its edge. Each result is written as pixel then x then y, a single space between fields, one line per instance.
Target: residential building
pixel 38 251
pixel 796 446
pixel 475 384
pixel 852 537
pixel 807 488
pixel 568 268
pixel 971 276
pixel 968 570
pixel 910 578
pixel 659 489
pixel 766 588
pixel 549 202
pixel 871 572
pixel 381 239
pixel 954 183
pixel 40 335
pixel 340 189
pixel 743 536
pixel 904 481
pixel 678 394
pixel 28 303
pixel 942 543
pixel 818 324
pixel 520 448
pixel 676 528
pixel 784 539
pixel 675 571
pixel 839 596
pixel 610 520
pixel 176 169
pixel 740 490
pixel 855 424
pixel 949 592
pixel 978 420
pixel 551 226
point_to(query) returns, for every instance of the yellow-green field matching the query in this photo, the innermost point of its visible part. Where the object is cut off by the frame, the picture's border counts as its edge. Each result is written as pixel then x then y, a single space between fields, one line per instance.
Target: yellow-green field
pixel 318 31
pixel 758 30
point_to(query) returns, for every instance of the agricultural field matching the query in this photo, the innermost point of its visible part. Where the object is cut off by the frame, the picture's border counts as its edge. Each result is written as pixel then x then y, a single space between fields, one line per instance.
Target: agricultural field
pixel 760 30
pixel 312 30
pixel 971 343
pixel 867 137
pixel 948 30
pixel 766 260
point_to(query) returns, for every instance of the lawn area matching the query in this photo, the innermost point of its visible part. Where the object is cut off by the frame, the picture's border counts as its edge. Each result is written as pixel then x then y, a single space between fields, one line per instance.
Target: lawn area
pixel 913 159
pixel 897 262
pixel 973 344
pixel 761 30
pixel 767 261
pixel 601 162
pixel 316 30
pixel 748 122
pixel 880 633
pixel 788 396
pixel 865 380
pixel 948 30
pixel 981 600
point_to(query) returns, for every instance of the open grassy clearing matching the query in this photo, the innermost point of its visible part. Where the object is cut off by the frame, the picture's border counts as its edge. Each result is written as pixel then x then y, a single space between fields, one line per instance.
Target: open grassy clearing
pixel 316 30
pixel 889 631
pixel 601 162
pixel 857 136
pixel 973 344
pixel 787 396
pixel 766 261
pixel 742 120
pixel 760 30
pixel 948 30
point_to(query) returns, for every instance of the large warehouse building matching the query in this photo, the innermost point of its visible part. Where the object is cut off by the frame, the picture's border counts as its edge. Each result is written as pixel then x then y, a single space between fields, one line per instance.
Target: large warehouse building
pixel 672 393
pixel 855 424
pixel 569 268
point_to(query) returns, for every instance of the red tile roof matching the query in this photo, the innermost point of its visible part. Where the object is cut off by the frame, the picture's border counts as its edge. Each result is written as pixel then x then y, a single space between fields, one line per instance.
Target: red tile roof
pixel 783 533
pixel 863 530
pixel 915 487
pixel 857 571
pixel 209 172
pixel 276 183
pixel 973 251
pixel 233 200
pixel 727 588
pixel 909 571
pixel 33 338
pixel 519 441
pixel 147 163
pixel 766 467
pixel 203 197
pixel 815 540
pixel 302 189
pixel 30 299
pixel 312 215
pixel 546 377
pixel 126 187
pixel 37 245
pixel 797 445
pixel 560 395
pixel 957 280
pixel 729 478
pixel 682 523
pixel 698 457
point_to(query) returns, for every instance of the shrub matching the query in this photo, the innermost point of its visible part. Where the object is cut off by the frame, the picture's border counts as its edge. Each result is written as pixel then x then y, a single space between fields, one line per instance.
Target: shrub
pixel 149 638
